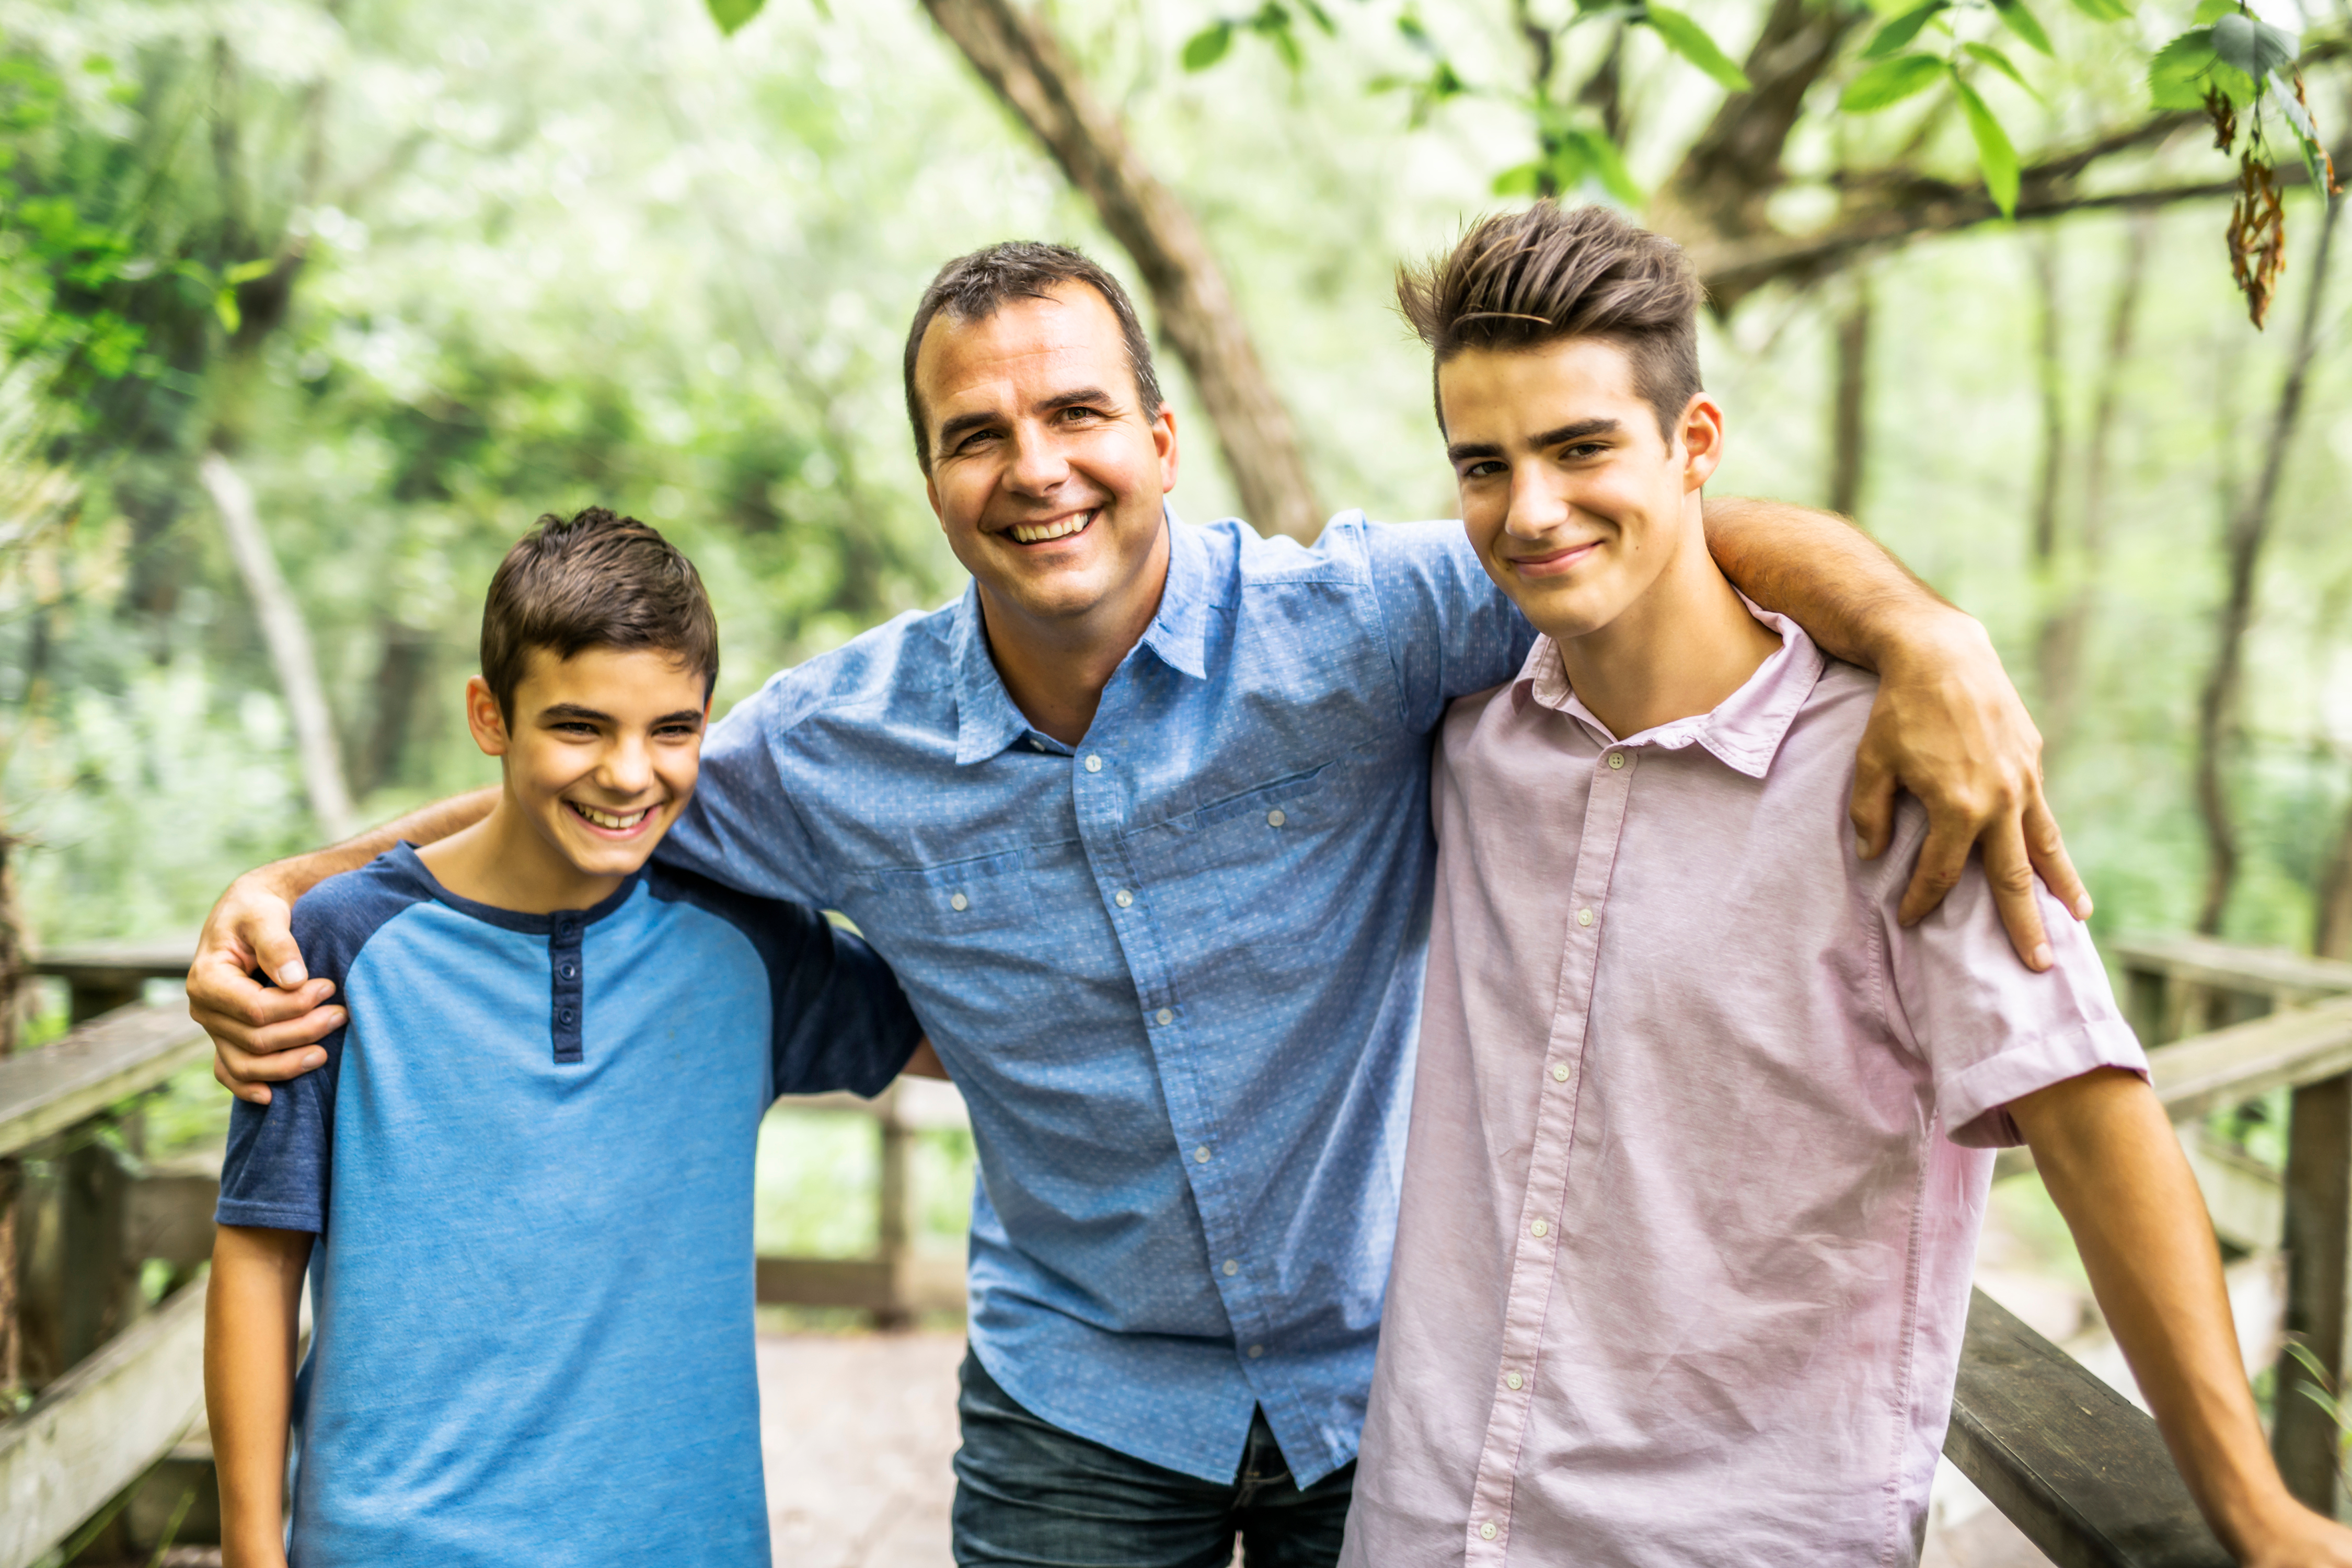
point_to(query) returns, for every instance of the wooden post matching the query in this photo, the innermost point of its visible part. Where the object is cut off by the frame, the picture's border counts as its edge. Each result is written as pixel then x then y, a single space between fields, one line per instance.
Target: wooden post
pixel 88 996
pixel 2319 1238
pixel 94 1285
pixel 12 1355
pixel 2146 992
pixel 895 1197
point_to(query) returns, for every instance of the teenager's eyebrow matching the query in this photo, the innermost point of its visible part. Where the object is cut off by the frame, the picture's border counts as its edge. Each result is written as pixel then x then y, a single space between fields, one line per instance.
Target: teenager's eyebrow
pixel 562 710
pixel 965 424
pixel 1463 451
pixel 683 716
pixel 1580 430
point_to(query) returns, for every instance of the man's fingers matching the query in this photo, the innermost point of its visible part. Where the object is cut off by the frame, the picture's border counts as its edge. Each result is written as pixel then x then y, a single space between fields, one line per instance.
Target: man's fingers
pixel 280 958
pixel 258 1093
pixel 2011 876
pixel 1942 858
pixel 2047 849
pixel 1871 809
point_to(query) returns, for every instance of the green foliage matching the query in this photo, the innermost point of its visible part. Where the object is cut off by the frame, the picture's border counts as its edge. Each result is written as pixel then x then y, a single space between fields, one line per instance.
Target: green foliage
pixel 1899 33
pixel 1995 155
pixel 1890 82
pixel 1689 39
pixel 2018 19
pixel 2001 62
pixel 732 15
pixel 2183 70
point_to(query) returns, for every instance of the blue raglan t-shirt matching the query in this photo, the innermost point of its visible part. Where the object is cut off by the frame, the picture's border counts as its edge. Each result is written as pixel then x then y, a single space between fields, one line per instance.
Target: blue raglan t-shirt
pixel 528 1161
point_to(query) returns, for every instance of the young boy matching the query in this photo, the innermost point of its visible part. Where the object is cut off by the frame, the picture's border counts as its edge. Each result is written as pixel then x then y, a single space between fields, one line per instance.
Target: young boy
pixel 1701 1133
pixel 521 1188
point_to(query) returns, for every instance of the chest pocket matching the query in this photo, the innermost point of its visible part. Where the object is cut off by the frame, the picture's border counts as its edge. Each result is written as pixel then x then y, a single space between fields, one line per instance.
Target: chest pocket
pixel 1249 867
pixel 941 904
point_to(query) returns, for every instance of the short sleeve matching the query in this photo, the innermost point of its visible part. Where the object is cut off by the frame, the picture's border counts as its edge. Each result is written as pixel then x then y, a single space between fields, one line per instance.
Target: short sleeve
pixel 277 1172
pixel 1450 630
pixel 841 1020
pixel 1991 1030
pixel 740 828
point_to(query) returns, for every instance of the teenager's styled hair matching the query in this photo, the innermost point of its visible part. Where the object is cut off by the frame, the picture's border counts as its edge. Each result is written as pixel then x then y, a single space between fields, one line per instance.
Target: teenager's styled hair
pixel 975 286
pixel 595 580
pixel 1519 281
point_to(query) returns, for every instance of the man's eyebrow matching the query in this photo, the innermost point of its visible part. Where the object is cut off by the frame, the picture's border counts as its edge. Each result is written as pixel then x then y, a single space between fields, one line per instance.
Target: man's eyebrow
pixel 963 423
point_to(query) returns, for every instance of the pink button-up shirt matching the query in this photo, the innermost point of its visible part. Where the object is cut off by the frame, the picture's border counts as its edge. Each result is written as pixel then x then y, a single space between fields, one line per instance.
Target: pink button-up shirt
pixel 1700 1143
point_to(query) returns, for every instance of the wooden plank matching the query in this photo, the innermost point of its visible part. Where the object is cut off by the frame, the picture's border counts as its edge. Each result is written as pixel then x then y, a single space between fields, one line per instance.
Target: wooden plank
pixel 2300 1045
pixel 2073 1464
pixel 2288 978
pixel 99 1427
pixel 2319 1244
pixel 99 962
pixel 922 1283
pixel 129 1050
pixel 924 1104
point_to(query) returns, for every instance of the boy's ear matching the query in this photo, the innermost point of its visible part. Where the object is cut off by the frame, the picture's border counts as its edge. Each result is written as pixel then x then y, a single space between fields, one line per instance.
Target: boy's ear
pixel 1702 439
pixel 484 717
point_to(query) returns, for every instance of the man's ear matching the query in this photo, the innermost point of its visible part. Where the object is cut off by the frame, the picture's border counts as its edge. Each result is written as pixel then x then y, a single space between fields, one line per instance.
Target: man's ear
pixel 489 723
pixel 1702 441
pixel 1163 438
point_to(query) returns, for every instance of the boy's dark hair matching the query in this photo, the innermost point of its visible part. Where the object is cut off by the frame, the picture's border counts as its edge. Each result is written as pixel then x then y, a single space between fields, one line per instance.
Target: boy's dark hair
pixel 1519 281
pixel 975 286
pixel 595 580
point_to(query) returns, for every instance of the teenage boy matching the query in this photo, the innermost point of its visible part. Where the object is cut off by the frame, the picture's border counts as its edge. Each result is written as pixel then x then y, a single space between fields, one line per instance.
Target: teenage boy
pixel 1141 821
pixel 1701 1132
pixel 521 1187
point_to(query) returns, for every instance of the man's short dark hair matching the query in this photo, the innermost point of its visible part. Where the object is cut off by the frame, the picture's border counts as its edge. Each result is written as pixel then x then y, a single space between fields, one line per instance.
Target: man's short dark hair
pixel 1519 281
pixel 975 286
pixel 595 580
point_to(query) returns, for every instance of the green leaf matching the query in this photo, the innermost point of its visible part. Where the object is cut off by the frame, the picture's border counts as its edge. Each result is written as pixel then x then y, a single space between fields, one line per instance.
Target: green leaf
pixel 1995 154
pixel 247 272
pixel 1604 162
pixel 1689 39
pixel 2023 23
pixel 2001 63
pixel 1523 180
pixel 2255 47
pixel 2211 11
pixel 1890 81
pixel 1903 29
pixel 1322 17
pixel 2182 71
pixel 2306 134
pixel 225 307
pixel 1207 47
pixel 731 14
pixel 2104 10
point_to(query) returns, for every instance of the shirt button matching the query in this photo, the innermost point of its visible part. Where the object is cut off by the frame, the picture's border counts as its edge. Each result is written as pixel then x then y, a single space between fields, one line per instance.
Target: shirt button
pixel 565 1017
pixel 1256 1351
pixel 1233 1266
pixel 958 902
pixel 571 972
pixel 1486 1531
pixel 1616 759
pixel 1165 1016
pixel 1584 917
pixel 1200 1155
pixel 1274 818
pixel 1515 1380
pixel 1094 764
pixel 1559 1072
pixel 1123 898
pixel 1539 1228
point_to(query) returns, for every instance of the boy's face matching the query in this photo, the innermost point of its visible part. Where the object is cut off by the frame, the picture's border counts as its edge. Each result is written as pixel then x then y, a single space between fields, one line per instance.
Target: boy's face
pixel 1046 472
pixel 1573 500
pixel 603 751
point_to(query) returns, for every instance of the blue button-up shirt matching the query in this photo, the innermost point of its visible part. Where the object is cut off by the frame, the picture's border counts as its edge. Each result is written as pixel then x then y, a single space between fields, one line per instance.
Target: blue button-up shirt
pixel 1175 970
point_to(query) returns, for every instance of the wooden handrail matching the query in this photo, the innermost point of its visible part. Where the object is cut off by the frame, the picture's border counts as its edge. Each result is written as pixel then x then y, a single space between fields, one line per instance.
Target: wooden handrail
pixel 2204 1072
pixel 2076 1466
pixel 2287 978
pixel 126 1052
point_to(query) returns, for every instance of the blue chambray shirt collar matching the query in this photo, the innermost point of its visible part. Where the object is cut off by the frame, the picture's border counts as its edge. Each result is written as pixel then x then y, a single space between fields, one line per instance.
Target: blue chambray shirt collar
pixel 986 720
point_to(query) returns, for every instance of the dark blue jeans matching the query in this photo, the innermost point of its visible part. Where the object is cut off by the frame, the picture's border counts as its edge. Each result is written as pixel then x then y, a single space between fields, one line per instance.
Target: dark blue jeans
pixel 1030 1494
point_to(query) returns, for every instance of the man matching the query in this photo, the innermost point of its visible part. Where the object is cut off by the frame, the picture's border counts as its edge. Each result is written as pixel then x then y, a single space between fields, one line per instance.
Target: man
pixel 1142 822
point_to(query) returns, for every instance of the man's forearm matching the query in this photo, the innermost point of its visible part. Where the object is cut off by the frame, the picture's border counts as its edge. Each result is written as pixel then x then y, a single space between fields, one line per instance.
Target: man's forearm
pixel 1851 597
pixel 2107 1154
pixel 298 874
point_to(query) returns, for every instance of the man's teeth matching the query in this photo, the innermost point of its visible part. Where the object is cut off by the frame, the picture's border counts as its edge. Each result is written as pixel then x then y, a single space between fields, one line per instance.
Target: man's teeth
pixel 610 819
pixel 1037 533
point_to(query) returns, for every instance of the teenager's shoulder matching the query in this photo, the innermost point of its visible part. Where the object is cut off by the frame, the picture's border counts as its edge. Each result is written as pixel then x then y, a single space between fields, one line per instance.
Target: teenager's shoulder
pixel 336 919
pixel 781 932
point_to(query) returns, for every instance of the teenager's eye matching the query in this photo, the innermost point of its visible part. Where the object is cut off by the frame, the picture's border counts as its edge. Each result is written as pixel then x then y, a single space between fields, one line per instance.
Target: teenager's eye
pixel 1483 470
pixel 1582 450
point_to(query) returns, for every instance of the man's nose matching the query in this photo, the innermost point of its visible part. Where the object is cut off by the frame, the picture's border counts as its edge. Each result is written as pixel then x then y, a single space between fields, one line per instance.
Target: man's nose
pixel 1039 464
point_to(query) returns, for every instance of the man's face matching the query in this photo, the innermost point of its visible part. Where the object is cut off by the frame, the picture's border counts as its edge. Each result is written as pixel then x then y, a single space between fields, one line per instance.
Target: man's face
pixel 1047 473
pixel 1572 499
pixel 603 751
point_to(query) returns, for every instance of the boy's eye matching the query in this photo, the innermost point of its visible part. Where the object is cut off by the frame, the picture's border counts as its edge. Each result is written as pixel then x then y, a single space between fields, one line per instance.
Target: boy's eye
pixel 1485 470
pixel 1583 450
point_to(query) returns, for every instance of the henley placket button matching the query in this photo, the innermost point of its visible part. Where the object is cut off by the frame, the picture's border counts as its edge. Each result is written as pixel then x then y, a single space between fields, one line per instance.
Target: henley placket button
pixel 571 972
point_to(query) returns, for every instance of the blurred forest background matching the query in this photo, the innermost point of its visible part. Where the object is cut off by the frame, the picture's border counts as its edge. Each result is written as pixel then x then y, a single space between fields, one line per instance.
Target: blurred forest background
pixel 312 306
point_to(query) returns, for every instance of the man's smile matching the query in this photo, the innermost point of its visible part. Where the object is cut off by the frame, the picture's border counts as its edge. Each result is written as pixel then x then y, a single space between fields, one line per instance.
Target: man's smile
pixel 1057 528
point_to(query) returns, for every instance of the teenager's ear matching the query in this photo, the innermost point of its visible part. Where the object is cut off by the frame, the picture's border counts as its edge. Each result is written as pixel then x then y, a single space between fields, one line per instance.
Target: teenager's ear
pixel 1702 440
pixel 485 719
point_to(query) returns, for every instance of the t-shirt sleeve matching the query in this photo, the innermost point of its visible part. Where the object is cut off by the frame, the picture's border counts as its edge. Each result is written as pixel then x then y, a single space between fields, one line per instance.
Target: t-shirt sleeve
pixel 740 828
pixel 841 1020
pixel 1990 1030
pixel 1450 630
pixel 281 1156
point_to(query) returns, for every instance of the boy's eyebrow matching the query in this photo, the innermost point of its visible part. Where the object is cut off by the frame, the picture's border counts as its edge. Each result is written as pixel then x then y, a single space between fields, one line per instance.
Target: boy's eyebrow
pixel 1463 451
pixel 963 423
pixel 561 710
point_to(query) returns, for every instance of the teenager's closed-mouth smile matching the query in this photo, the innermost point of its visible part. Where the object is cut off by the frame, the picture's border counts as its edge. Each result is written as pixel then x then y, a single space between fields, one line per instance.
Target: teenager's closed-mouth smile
pixel 1555 561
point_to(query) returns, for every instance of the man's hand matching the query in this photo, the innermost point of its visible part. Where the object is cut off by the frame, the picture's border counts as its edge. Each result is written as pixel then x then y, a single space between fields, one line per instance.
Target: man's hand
pixel 1949 728
pixel 255 1028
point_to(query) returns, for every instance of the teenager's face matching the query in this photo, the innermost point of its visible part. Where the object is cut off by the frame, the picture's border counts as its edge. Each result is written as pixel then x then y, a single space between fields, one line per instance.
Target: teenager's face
pixel 603 751
pixel 1573 499
pixel 1046 471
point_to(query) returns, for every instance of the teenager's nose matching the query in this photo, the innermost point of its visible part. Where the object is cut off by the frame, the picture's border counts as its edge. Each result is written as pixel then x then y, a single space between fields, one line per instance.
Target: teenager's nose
pixel 1539 505
pixel 628 766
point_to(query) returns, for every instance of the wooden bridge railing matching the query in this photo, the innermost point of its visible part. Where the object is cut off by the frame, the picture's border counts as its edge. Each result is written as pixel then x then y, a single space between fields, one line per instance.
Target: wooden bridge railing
pixel 114 1382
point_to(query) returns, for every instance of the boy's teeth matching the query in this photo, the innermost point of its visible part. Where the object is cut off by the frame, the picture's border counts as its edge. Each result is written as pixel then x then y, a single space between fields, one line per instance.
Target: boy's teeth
pixel 609 819
pixel 1033 533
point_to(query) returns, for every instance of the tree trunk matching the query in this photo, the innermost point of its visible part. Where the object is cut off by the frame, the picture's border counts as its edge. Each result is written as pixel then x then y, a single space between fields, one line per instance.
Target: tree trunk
pixel 1850 405
pixel 288 641
pixel 1019 57
pixel 2058 645
pixel 12 975
pixel 2241 548
pixel 2334 936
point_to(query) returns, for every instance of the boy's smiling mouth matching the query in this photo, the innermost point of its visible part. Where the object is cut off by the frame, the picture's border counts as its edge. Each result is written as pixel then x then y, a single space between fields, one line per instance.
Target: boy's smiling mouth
pixel 617 822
